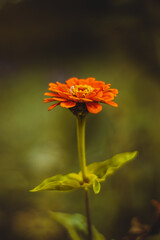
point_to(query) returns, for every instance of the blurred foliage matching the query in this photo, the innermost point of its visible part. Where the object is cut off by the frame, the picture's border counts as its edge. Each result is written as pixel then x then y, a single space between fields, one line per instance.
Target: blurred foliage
pixel 140 231
pixel 3 2
pixel 44 41
pixel 76 226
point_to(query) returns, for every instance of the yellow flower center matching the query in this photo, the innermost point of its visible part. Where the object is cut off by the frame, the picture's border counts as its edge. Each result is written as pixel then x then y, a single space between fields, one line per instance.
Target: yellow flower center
pixel 81 89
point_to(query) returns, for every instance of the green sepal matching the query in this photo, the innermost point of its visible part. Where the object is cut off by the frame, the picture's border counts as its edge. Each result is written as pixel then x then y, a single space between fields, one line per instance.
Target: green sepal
pixel 108 167
pixel 76 225
pixel 67 182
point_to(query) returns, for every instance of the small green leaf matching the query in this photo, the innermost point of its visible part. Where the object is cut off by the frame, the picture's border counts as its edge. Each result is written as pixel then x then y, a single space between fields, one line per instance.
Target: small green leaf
pixel 108 167
pixel 96 186
pixel 67 182
pixel 76 226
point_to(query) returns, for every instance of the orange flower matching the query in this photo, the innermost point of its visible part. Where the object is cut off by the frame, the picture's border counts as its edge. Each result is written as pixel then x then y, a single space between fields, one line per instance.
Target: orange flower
pixel 79 93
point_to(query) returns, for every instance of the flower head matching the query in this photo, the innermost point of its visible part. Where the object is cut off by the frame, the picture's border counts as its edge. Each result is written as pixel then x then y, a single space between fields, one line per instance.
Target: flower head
pixel 81 95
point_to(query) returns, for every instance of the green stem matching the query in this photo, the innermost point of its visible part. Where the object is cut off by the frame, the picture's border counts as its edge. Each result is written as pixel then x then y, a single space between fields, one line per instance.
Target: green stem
pixel 82 159
pixel 89 224
pixel 81 145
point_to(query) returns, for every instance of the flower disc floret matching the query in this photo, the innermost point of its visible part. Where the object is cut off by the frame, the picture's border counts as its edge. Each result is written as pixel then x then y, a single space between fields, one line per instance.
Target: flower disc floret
pixel 80 90
pixel 81 94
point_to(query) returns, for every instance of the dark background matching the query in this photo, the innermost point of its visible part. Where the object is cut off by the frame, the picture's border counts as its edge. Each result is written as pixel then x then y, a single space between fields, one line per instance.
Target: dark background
pixel 118 42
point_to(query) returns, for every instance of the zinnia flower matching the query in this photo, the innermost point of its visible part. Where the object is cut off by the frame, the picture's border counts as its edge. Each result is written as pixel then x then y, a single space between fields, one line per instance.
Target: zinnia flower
pixel 81 93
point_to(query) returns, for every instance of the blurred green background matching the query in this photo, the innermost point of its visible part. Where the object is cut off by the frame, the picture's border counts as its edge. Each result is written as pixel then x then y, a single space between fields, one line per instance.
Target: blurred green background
pixel 44 41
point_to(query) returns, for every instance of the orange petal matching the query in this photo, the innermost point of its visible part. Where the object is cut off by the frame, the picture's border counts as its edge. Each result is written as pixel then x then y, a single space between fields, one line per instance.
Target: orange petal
pixel 86 100
pixel 90 95
pixel 59 99
pixel 52 106
pixel 112 104
pixel 62 86
pixel 46 100
pixel 108 94
pixel 71 82
pixel 73 98
pixel 114 91
pixel 51 94
pixel 54 90
pixel 64 95
pixel 98 84
pixel 94 107
pixel 99 94
pixel 79 94
pixel 106 87
pixel 76 99
pixel 52 85
pixel 68 104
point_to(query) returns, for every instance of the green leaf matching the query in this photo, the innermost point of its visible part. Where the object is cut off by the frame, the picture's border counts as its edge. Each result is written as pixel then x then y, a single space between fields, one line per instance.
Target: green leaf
pixel 67 182
pixel 96 172
pixel 108 167
pixel 76 226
